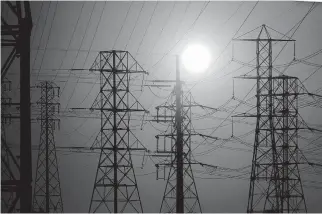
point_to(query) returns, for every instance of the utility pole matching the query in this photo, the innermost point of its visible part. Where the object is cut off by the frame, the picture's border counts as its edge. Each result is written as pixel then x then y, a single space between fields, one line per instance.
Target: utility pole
pixel 16 32
pixel 115 188
pixel 47 192
pixel 179 143
pixel 180 194
pixel 275 182
pixel 25 111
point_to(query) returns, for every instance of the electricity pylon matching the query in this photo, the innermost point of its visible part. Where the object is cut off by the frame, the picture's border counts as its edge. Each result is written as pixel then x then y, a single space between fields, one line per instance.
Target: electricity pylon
pixel 115 188
pixel 16 26
pixel 275 182
pixel 47 192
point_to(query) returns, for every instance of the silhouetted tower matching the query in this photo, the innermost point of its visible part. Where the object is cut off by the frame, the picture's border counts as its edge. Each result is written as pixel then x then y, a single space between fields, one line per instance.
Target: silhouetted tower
pixel 47 192
pixel 16 26
pixel 275 183
pixel 115 188
pixel 180 193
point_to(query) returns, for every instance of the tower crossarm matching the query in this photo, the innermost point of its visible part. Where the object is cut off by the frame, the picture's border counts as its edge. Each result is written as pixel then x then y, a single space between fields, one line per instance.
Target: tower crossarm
pixel 265 40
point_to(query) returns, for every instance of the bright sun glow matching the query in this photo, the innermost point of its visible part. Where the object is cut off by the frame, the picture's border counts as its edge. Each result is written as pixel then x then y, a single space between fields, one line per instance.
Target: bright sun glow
pixel 196 58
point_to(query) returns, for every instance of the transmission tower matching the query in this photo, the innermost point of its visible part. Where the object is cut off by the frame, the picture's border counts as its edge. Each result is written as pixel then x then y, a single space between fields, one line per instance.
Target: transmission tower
pixel 47 192
pixel 275 182
pixel 115 188
pixel 16 26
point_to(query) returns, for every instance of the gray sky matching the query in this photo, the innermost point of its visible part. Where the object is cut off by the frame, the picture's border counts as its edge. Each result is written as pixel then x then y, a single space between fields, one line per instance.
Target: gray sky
pixel 154 32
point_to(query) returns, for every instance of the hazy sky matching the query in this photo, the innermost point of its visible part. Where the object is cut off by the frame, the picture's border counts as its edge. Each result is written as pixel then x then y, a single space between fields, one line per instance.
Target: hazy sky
pixel 154 32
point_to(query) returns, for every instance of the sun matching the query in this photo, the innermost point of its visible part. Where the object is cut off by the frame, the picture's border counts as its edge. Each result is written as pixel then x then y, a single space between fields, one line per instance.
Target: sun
pixel 196 58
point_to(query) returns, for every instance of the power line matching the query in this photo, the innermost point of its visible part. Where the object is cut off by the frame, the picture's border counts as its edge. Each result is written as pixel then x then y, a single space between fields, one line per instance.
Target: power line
pixel 37 23
pixel 188 31
pixel 244 21
pixel 136 22
pixel 74 89
pixel 162 30
pixel 191 27
pixel 71 39
pixel 86 29
pixel 119 33
pixel 146 29
pixel 311 74
pixel 227 116
pixel 47 14
pixel 47 40
pixel 298 25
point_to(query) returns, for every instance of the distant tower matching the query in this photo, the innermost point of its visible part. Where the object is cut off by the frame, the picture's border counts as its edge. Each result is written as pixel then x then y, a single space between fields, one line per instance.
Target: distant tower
pixel 275 182
pixel 47 192
pixel 115 188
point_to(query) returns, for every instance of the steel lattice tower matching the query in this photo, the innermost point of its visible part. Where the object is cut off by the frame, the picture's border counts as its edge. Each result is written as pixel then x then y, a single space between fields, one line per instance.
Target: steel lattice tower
pixel 275 183
pixel 47 192
pixel 115 188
